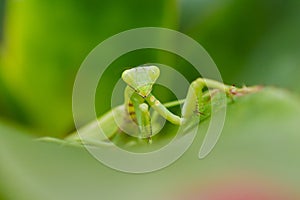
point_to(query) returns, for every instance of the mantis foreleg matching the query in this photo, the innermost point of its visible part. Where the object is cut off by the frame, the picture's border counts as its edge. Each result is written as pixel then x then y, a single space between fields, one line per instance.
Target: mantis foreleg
pixel 192 103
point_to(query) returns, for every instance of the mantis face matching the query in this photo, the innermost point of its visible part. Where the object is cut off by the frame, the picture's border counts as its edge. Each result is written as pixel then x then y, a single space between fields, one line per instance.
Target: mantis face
pixel 141 79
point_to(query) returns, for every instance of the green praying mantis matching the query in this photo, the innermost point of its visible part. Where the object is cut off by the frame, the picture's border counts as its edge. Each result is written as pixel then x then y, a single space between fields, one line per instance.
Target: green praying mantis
pixel 134 117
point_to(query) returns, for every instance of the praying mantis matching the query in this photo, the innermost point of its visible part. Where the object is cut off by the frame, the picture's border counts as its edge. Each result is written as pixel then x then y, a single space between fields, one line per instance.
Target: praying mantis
pixel 134 117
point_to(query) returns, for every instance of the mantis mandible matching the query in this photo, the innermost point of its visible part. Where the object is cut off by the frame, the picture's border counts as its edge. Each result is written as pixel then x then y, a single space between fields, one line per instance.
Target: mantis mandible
pixel 138 98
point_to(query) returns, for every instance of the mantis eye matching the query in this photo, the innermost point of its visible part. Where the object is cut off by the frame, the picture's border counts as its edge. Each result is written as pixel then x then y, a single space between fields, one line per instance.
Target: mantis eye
pixel 153 73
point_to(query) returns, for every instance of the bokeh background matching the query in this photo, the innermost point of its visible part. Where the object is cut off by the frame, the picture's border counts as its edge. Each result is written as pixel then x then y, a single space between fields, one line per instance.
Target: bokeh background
pixel 43 43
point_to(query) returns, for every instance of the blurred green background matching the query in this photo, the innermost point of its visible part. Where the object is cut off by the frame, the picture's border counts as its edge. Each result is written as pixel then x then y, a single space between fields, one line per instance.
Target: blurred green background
pixel 43 43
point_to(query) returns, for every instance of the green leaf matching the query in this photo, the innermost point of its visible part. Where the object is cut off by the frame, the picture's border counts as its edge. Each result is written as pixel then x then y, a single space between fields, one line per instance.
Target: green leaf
pixel 259 142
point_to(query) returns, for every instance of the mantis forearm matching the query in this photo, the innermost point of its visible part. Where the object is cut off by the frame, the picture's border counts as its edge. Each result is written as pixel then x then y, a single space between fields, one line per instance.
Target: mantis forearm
pixel 192 102
pixel 162 110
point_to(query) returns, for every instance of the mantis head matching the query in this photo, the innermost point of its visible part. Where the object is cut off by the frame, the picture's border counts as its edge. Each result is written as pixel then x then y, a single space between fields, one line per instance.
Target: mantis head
pixel 141 79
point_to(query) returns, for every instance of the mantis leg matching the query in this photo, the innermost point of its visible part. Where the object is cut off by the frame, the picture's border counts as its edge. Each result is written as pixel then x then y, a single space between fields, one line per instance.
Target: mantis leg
pixel 142 118
pixel 162 110
pixel 194 99
pixel 145 122
pixel 192 102
pixel 140 115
